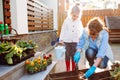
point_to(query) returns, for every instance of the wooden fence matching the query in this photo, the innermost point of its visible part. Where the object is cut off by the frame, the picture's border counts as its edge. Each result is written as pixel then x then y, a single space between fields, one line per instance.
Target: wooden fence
pixel 6 12
pixel 88 14
pixel 40 17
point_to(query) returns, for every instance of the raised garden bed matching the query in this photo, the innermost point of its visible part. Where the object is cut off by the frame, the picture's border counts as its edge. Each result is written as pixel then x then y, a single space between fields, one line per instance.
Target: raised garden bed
pixel 73 75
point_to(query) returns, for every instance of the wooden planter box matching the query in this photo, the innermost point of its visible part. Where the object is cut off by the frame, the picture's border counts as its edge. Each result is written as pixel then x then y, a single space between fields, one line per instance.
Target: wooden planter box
pixel 73 75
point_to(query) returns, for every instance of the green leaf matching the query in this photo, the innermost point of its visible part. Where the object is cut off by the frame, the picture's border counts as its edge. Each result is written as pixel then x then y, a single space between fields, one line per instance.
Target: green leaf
pixel 9 61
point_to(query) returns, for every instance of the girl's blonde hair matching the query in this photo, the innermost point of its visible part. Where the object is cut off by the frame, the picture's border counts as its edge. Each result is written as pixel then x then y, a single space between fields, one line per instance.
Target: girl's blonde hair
pixel 75 9
pixel 95 25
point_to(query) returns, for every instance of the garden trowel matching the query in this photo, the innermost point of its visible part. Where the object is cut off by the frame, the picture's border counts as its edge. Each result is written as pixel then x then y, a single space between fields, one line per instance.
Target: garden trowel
pixel 76 67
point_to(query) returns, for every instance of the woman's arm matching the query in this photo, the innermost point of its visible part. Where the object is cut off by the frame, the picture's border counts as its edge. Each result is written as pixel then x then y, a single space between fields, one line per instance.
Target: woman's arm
pixel 79 47
pixel 81 42
pixel 92 69
pixel 104 45
pixel 97 62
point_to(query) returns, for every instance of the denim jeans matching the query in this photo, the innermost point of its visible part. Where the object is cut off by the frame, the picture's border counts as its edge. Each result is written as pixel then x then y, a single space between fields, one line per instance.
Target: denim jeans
pixel 91 56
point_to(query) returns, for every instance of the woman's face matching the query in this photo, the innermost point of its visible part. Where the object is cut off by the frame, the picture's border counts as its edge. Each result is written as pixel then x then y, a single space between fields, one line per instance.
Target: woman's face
pixel 93 34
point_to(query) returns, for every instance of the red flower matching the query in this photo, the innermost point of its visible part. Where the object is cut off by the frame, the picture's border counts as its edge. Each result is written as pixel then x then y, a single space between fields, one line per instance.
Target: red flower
pixel 47 58
pixel 44 56
pixel 50 55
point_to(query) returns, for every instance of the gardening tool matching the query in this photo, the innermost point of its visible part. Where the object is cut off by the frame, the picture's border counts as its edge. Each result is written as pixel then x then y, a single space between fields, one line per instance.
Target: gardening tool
pixel 76 67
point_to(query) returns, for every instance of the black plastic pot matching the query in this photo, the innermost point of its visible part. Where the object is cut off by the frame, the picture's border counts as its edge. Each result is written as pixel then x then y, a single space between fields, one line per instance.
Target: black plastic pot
pixel 15 59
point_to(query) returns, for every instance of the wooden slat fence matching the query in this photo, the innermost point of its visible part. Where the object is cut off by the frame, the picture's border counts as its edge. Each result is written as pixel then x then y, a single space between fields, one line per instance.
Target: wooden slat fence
pixel 88 14
pixel 40 17
pixel 6 12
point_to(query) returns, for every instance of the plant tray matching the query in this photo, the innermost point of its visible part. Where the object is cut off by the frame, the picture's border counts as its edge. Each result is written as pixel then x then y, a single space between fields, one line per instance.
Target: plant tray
pixel 16 59
pixel 74 75
pixel 13 40
pixel 29 72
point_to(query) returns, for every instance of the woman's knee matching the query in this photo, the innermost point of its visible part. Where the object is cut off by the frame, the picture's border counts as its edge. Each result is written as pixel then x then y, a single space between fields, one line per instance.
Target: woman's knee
pixel 102 65
pixel 91 53
pixel 104 62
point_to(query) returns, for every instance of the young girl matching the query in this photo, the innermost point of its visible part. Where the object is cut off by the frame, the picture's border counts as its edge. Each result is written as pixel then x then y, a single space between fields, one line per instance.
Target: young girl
pixel 94 41
pixel 70 34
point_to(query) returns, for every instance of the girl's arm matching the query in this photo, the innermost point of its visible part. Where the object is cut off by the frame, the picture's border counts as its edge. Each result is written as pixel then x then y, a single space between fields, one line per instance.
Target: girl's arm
pixel 62 31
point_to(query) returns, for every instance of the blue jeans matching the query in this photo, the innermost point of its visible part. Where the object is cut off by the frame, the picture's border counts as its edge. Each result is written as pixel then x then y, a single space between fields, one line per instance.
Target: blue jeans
pixel 91 56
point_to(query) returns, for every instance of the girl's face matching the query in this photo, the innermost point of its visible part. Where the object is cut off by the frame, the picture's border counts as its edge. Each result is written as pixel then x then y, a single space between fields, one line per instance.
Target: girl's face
pixel 74 16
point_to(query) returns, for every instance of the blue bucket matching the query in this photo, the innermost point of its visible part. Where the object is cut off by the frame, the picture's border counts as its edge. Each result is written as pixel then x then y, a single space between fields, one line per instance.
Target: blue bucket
pixel 60 52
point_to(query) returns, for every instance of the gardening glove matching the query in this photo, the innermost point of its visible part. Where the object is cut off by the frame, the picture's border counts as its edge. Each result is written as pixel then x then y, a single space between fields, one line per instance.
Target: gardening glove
pixel 77 57
pixel 90 72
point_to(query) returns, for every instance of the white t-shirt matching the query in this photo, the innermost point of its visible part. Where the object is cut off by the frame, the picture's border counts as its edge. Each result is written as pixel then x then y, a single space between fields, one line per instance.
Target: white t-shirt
pixel 71 30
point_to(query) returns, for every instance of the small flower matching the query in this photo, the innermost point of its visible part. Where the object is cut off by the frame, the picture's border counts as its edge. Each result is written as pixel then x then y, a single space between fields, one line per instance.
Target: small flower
pixel 32 63
pixel 27 62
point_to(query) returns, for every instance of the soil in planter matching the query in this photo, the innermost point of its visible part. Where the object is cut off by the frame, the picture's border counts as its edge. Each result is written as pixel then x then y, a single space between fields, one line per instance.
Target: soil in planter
pixel 73 75
pixel 105 75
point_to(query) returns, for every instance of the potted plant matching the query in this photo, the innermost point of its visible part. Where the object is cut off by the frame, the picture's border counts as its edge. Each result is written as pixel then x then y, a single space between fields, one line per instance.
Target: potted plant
pixel 35 65
pixel 48 57
pixel 116 71
pixel 8 51
pixel 28 48
pixel 12 54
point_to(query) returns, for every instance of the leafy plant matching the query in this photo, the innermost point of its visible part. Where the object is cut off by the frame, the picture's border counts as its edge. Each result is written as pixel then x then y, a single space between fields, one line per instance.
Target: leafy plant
pixel 25 44
pixel 15 50
pixel 5 47
pixel 116 71
pixel 8 51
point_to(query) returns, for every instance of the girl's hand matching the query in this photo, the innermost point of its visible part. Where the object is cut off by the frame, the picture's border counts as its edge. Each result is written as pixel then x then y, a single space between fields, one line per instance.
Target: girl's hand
pixel 61 42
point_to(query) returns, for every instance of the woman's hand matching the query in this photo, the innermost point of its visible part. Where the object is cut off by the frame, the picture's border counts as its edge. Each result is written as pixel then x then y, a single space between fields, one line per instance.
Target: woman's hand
pixel 93 68
pixel 77 56
pixel 90 72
